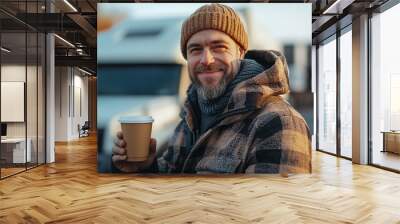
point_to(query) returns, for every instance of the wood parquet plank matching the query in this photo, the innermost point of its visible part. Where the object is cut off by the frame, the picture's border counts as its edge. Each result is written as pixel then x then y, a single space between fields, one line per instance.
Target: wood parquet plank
pixel 71 191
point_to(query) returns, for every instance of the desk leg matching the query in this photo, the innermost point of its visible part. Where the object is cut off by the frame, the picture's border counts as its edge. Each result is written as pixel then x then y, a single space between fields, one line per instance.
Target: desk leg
pixel 384 142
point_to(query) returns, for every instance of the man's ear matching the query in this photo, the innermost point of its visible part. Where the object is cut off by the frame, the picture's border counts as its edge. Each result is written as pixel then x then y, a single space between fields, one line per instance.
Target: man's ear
pixel 241 53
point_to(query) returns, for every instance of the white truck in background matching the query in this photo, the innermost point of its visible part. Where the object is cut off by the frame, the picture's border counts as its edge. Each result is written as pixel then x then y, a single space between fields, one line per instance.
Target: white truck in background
pixel 140 72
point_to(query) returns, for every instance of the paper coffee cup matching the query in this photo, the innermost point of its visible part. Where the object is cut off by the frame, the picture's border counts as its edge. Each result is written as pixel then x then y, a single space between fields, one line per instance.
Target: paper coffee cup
pixel 137 134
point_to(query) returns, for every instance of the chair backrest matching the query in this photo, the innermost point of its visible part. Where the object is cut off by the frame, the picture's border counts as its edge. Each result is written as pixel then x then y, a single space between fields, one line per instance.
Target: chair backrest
pixel 86 125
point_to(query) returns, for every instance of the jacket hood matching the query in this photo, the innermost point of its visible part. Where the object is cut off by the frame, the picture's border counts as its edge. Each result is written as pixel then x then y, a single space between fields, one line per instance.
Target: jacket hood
pixel 252 93
pixel 273 81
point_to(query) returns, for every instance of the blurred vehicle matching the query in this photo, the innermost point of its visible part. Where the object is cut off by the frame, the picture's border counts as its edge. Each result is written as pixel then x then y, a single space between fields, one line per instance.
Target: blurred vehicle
pixel 140 72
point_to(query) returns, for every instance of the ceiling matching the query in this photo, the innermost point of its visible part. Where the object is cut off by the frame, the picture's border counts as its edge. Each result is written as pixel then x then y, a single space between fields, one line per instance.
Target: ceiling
pixel 76 25
pixel 76 20
pixel 331 15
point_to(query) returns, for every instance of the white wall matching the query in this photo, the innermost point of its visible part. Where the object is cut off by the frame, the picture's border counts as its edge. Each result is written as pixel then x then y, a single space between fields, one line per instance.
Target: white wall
pixel 70 84
pixel 33 126
pixel 15 72
pixel 61 103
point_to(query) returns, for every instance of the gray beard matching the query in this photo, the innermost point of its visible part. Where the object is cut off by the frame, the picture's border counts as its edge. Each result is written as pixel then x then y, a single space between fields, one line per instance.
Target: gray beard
pixel 213 92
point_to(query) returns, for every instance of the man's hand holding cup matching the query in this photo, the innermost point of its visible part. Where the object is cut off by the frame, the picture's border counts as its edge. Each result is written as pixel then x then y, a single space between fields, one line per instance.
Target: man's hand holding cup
pixel 134 150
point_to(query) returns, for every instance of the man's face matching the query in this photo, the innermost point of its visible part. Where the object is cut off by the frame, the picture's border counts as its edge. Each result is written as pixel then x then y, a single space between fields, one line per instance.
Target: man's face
pixel 213 59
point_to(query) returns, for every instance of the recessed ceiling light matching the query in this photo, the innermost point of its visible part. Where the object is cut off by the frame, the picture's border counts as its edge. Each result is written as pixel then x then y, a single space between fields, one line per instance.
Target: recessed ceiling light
pixel 337 7
pixel 71 6
pixel 86 72
pixel 5 50
pixel 64 40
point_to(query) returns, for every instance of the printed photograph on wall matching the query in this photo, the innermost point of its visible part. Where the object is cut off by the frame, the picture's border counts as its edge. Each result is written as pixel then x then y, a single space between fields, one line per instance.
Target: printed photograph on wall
pixel 204 88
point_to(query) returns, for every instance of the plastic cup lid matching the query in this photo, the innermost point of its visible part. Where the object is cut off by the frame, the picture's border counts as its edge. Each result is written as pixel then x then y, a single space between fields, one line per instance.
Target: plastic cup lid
pixel 136 119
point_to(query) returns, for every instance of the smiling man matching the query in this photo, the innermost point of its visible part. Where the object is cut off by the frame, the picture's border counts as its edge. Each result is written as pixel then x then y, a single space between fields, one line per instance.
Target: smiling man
pixel 234 119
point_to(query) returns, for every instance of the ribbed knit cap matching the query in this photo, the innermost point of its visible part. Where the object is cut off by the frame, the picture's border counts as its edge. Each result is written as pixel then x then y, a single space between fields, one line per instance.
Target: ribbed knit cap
pixel 214 16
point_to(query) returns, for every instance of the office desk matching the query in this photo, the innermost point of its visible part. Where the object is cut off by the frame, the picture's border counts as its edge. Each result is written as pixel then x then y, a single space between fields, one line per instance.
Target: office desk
pixel 13 150
pixel 391 141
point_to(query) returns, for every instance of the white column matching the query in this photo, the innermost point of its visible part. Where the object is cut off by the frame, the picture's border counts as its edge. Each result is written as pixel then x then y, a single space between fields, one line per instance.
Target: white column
pixel 50 92
pixel 360 90
pixel 62 103
pixel 314 91
pixel 50 110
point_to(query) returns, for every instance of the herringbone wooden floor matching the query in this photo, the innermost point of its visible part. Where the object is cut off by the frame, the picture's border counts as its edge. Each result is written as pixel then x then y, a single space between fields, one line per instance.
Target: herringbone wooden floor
pixel 71 191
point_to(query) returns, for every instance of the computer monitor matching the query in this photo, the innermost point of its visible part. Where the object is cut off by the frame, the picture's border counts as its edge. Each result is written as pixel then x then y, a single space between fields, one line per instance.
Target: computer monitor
pixel 3 129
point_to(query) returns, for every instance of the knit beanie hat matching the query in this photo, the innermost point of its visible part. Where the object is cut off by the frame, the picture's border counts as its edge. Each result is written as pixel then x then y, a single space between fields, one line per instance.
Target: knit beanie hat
pixel 214 16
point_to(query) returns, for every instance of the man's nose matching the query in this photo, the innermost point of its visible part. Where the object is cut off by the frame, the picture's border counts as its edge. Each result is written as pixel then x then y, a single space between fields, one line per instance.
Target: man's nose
pixel 206 57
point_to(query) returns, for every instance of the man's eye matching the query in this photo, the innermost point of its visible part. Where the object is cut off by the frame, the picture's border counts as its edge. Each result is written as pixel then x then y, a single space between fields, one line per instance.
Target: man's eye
pixel 192 50
pixel 220 47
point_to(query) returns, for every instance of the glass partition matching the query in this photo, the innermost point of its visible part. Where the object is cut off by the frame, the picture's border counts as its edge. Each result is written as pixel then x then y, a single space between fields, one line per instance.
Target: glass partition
pixel 346 94
pixel 13 105
pixel 22 88
pixel 385 89
pixel 31 100
pixel 41 87
pixel 327 96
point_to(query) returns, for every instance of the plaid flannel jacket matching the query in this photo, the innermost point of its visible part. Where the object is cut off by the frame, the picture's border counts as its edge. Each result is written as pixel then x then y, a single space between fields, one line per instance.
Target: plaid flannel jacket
pixel 258 132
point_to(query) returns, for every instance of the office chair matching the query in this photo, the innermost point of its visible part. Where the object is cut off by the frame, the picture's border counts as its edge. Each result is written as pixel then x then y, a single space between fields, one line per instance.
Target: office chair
pixel 84 130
